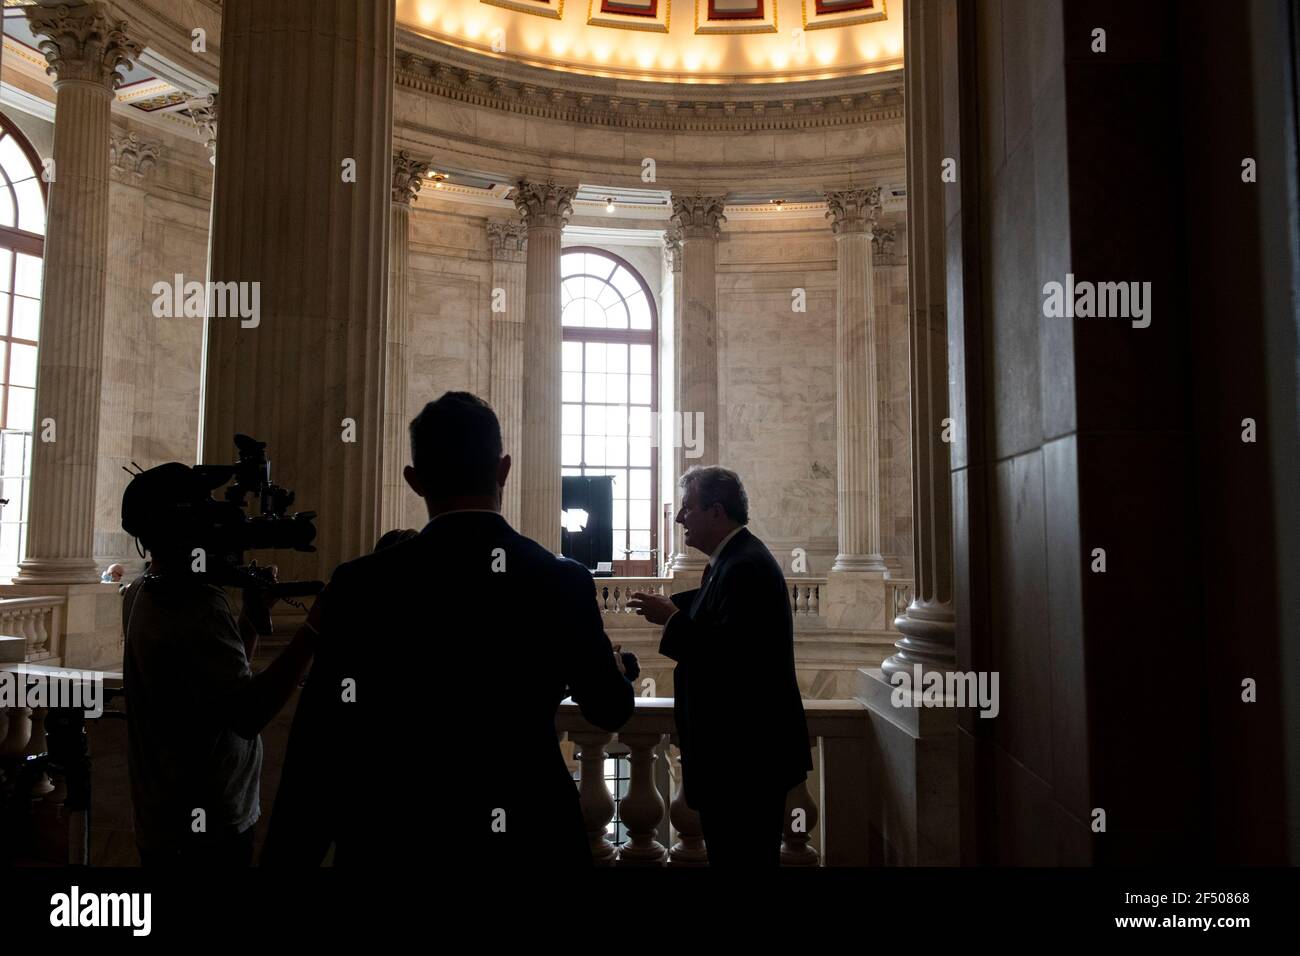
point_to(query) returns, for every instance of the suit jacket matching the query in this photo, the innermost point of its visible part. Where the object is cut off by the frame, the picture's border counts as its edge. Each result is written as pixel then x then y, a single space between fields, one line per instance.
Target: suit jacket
pixel 739 713
pixel 460 644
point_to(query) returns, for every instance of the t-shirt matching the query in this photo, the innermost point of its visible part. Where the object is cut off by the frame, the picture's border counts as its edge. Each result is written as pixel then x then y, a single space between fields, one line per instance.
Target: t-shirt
pixel 183 666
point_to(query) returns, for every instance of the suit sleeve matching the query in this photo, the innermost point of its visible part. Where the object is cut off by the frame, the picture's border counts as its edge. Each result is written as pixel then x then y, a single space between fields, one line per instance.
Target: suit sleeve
pixel 737 614
pixel 604 695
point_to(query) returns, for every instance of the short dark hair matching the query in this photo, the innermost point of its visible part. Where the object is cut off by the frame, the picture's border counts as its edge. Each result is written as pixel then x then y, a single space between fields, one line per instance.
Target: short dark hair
pixel 456 446
pixel 718 486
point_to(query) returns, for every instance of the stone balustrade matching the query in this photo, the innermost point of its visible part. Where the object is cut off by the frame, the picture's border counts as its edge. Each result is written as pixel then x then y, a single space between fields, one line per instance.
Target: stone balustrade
pixel 612 593
pixel 828 829
pixel 38 620
pixel 806 596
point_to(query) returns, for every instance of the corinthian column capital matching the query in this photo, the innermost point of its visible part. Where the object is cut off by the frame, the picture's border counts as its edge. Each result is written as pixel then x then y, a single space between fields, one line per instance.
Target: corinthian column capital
pixel 853 210
pixel 203 110
pixel 544 204
pixel 83 43
pixel 507 239
pixel 131 157
pixel 408 176
pixel 699 217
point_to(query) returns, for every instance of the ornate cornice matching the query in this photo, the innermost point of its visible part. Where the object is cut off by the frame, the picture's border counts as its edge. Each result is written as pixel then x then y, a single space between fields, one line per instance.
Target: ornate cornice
pixel 507 239
pixel 408 176
pixel 430 67
pixel 132 158
pixel 83 43
pixel 699 217
pixel 544 204
pixel 853 210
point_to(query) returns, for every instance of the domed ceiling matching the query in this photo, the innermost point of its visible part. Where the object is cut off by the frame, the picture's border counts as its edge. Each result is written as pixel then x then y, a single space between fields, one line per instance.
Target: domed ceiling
pixel 679 41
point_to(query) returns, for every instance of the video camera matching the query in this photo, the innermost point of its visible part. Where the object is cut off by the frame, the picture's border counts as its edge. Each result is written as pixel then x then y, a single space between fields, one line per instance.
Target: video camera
pixel 172 506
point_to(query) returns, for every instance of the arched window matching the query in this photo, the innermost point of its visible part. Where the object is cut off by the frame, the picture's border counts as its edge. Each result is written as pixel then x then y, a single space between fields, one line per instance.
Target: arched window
pixel 610 393
pixel 22 249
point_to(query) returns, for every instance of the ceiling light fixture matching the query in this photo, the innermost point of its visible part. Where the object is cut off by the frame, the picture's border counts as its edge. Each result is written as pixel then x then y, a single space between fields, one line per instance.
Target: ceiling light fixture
pixel 609 204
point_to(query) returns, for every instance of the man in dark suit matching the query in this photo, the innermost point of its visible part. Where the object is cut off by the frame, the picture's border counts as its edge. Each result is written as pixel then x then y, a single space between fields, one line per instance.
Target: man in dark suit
pixel 426 731
pixel 739 714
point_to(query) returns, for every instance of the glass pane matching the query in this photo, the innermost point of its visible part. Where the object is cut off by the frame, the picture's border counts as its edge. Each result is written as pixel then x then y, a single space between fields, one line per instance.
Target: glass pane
pixel 6 261
pixel 593 316
pixel 27 317
pixel 31 206
pixel 616 421
pixel 641 359
pixel 27 279
pixel 616 388
pixel 620 513
pixel 571 356
pixel 571 420
pixel 596 356
pixel 638 419
pixel 571 387
pixel 573 313
pixel 640 483
pixel 617 316
pixel 626 283
pixel 639 540
pixel 571 263
pixel 4 313
pixel 595 420
pixel 9 460
pixel 608 296
pixel 639 452
pixel 617 357
pixel 620 544
pixel 594 450
pixel 14 160
pixel 595 387
pixel 640 310
pixel 13 448
pixel 22 366
pixel 570 471
pixel 6 206
pixel 571 452
pixel 22 407
pixel 616 451
pixel 640 390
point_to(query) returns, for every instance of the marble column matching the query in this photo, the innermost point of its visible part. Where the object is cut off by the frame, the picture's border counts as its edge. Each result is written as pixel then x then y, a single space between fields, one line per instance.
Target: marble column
pixel 408 175
pixel 301 214
pixel 544 209
pixel 857 402
pixel 508 245
pixel 698 220
pixel 928 626
pixel 85 47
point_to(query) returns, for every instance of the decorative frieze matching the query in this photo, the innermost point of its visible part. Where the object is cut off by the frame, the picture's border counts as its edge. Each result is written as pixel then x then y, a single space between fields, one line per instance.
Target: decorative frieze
pixel 408 176
pixel 132 158
pixel 203 110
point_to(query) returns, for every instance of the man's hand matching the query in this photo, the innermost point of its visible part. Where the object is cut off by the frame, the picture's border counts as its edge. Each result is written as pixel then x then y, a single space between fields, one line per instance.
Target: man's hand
pixel 622 665
pixel 258 604
pixel 655 608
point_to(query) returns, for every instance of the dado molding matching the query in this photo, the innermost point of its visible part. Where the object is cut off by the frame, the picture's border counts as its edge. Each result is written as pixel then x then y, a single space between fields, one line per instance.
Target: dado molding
pixel 429 67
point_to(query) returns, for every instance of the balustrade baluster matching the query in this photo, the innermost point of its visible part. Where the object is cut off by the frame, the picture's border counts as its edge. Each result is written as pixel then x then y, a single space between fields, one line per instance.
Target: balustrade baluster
pixel 597 804
pixel 800 821
pixel 642 807
pixel 815 599
pixel 689 850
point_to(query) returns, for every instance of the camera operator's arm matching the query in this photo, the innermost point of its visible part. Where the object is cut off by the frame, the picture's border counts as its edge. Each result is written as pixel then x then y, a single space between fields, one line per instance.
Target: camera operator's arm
pixel 262 697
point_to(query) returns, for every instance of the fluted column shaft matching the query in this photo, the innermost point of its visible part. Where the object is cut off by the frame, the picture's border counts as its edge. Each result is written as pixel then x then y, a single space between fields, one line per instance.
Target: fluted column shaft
pixel 302 207
pixel 544 209
pixel 697 220
pixel 407 176
pixel 508 243
pixel 85 48
pixel 928 626
pixel 857 399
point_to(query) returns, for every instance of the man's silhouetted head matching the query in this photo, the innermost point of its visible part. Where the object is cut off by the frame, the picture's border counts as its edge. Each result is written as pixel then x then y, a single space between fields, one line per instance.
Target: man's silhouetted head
pixel 456 459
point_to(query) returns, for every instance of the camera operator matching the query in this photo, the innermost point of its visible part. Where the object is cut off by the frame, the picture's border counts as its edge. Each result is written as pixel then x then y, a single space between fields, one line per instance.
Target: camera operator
pixel 194 707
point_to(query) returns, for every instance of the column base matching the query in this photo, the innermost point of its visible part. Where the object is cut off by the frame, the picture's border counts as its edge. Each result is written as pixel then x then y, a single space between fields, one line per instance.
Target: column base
pixel 913 811
pixel 929 639
pixel 859 562
pixel 855 600
pixel 57 571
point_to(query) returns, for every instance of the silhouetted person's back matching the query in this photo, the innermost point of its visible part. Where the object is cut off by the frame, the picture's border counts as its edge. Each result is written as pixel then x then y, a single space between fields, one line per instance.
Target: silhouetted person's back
pixel 427 727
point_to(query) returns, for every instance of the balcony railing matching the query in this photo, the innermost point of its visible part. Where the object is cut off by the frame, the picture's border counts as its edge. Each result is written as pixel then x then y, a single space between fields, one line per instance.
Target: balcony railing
pixel 38 620
pixel 830 829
